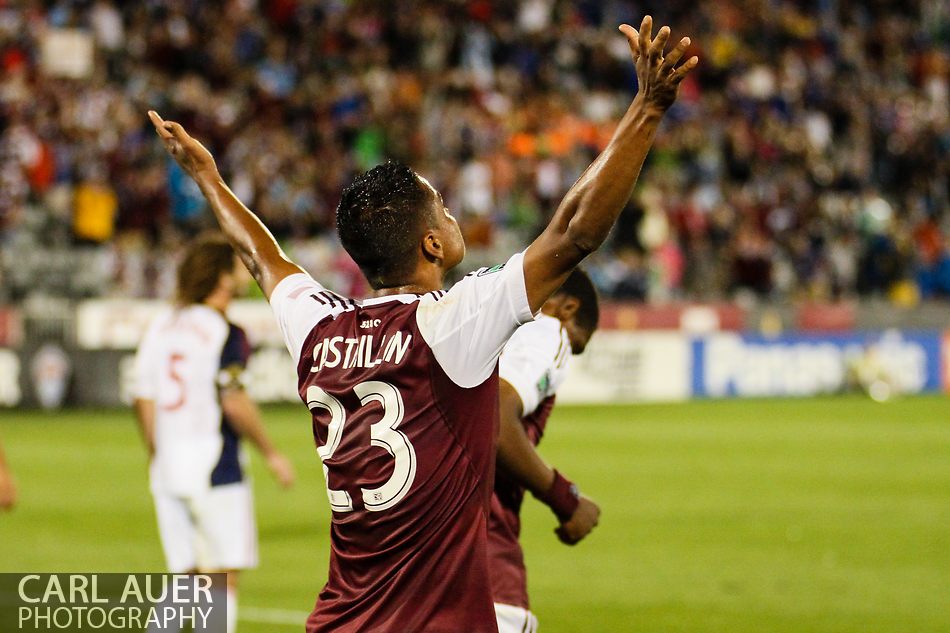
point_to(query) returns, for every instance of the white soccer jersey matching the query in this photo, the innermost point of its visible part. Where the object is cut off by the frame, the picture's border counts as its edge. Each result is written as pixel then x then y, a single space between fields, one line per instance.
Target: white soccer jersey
pixel 535 361
pixel 186 356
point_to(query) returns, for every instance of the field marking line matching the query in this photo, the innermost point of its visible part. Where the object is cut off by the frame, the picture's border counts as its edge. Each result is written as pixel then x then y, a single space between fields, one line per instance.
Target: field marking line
pixel 264 615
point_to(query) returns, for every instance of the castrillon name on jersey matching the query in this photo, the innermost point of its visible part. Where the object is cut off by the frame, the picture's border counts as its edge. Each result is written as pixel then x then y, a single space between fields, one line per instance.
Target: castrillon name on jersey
pixel 360 351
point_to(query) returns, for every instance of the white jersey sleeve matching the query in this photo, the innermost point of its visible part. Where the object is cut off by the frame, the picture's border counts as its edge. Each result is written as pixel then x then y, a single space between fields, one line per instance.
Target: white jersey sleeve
pixel 299 303
pixel 468 326
pixel 533 361
pixel 148 362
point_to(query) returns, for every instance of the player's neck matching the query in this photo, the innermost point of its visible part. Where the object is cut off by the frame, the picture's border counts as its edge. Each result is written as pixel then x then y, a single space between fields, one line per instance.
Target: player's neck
pixel 426 279
pixel 218 301
pixel 408 289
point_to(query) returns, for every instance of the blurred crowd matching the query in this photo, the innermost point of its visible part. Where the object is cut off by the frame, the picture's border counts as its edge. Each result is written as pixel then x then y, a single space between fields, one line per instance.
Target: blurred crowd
pixel 807 157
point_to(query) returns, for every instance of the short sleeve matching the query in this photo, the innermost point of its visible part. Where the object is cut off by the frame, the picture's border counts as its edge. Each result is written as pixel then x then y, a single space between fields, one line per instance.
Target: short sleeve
pixel 527 362
pixel 145 383
pixel 299 303
pixel 234 357
pixel 468 326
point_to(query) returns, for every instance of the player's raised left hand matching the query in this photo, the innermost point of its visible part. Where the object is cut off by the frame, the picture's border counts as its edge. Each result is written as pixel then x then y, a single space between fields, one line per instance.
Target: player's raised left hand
pixel 657 74
pixel 193 157
pixel 584 519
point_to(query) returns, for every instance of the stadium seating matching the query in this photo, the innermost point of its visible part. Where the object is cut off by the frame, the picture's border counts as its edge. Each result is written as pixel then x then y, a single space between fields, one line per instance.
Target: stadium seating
pixel 797 163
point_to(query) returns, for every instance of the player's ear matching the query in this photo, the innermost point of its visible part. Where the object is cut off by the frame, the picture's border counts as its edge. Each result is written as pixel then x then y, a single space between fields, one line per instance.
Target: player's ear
pixel 568 308
pixel 432 246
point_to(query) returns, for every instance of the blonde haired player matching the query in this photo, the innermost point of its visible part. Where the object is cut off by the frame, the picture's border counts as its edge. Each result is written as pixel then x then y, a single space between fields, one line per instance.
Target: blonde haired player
pixel 193 410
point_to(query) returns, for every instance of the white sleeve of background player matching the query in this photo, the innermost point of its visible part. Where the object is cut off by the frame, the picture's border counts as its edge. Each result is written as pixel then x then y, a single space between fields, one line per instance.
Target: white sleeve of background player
pixel 527 359
pixel 145 385
pixel 468 326
pixel 299 303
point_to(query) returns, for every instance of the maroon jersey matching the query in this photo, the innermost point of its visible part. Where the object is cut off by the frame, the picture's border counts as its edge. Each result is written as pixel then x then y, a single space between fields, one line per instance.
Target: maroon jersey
pixel 404 398
pixel 534 363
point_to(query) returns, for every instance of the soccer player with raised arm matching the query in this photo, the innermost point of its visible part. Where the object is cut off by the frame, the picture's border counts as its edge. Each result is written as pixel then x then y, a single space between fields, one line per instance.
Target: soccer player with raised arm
pixel 192 410
pixel 532 367
pixel 403 387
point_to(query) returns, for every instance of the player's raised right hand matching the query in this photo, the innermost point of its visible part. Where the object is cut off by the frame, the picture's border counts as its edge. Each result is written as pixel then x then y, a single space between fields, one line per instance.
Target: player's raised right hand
pixel 193 157
pixel 584 519
pixel 658 76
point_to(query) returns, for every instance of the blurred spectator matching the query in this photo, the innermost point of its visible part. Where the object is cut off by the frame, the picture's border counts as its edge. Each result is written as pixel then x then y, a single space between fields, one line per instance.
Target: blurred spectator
pixel 806 158
pixel 95 208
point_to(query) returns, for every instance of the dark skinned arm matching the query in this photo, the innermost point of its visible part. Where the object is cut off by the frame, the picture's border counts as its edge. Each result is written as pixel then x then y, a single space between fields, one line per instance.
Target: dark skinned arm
pixel 519 459
pixel 516 455
pixel 252 241
pixel 591 207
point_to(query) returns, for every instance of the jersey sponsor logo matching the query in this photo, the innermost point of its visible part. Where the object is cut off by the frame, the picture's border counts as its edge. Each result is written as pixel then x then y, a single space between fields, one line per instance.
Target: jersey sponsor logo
pixel 488 271
pixel 361 351
pixel 369 323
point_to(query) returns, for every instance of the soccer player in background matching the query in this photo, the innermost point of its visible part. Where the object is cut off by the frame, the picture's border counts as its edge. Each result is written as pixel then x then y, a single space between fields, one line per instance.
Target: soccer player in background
pixel 532 367
pixel 403 387
pixel 7 489
pixel 193 411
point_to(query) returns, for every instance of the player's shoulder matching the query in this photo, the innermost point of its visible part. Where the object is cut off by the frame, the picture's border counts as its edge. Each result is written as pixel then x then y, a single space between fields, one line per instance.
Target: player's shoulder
pixel 157 323
pixel 164 321
pixel 302 287
pixel 300 303
pixel 197 323
pixel 488 274
pixel 469 290
pixel 208 317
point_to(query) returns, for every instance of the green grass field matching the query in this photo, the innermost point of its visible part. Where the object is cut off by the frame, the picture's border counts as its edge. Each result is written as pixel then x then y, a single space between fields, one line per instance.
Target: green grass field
pixel 766 516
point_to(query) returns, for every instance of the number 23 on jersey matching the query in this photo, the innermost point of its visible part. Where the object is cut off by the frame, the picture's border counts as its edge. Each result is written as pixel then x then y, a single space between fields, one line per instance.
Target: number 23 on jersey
pixel 384 434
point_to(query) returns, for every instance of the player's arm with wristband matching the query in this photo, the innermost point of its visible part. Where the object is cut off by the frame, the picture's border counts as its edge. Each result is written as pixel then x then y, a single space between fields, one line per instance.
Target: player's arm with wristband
pixel 591 207
pixel 252 241
pixel 520 460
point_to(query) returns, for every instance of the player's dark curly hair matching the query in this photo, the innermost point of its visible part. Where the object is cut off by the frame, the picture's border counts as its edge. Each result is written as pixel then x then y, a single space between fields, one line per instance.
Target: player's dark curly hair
pixel 205 260
pixel 381 217
pixel 579 286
